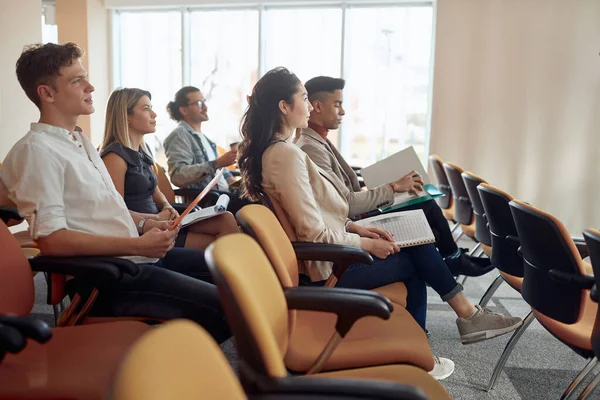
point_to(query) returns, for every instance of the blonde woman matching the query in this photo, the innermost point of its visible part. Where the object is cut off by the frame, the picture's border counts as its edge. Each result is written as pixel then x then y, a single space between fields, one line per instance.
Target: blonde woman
pixel 129 116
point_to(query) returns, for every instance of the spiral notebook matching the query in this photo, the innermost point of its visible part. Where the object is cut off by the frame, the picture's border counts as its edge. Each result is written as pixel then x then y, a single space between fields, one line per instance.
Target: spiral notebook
pixel 410 228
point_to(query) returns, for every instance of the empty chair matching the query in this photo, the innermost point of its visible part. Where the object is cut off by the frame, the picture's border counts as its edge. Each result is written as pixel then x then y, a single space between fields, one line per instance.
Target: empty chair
pixel 399 339
pixel 180 360
pixel 257 310
pixel 556 282
pixel 505 257
pixel 482 232
pixel 463 212
pixel 592 238
pixel 446 202
pixel 76 362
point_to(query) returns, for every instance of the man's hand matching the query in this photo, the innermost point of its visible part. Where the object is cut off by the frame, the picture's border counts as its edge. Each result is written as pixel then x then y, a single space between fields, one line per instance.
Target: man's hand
pixel 167 214
pixel 155 243
pixel 161 225
pixel 226 159
pixel 380 248
pixel 411 182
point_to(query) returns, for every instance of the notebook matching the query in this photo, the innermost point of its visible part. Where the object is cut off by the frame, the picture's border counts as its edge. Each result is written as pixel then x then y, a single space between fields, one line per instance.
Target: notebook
pixel 410 228
pixel 200 196
pixel 394 167
pixel 205 213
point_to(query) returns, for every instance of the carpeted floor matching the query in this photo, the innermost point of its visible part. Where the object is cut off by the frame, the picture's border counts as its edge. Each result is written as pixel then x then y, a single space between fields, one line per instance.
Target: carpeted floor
pixel 540 367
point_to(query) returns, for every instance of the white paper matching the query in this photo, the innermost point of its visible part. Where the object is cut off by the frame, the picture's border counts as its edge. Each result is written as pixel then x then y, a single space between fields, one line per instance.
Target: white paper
pixel 219 208
pixel 393 168
pixel 410 228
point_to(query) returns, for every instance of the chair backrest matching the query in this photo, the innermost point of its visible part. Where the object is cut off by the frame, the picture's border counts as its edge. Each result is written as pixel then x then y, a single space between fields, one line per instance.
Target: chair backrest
pixel 253 300
pixel 260 223
pixel 503 232
pixel 547 245
pixel 592 239
pixel 482 232
pixel 463 213
pixel 178 360
pixel 16 285
pixel 437 165
pixel 164 184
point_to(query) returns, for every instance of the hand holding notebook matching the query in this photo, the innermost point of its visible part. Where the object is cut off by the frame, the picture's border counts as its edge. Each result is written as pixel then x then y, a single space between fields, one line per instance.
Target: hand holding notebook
pixel 409 228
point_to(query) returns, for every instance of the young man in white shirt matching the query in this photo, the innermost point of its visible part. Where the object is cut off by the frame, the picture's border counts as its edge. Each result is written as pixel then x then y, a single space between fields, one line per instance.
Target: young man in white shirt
pixel 60 185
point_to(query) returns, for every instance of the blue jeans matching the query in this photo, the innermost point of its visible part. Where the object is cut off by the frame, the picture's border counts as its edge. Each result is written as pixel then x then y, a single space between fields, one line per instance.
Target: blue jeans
pixel 415 266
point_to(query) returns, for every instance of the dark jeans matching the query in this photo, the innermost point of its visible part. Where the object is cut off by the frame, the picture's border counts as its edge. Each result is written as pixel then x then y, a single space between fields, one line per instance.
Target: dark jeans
pixel 439 225
pixel 177 286
pixel 414 266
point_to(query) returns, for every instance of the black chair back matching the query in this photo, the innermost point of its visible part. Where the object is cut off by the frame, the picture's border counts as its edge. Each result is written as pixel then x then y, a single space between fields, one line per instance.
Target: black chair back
pixel 505 241
pixel 482 231
pixel 546 245
pixel 437 165
pixel 592 239
pixel 463 213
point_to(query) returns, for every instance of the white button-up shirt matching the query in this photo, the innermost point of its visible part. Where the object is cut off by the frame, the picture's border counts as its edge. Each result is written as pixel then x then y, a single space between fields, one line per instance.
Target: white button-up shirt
pixel 60 183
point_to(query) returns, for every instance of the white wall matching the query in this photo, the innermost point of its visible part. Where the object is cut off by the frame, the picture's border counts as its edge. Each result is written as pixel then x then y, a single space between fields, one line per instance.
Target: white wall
pixel 184 3
pixel 20 24
pixel 516 100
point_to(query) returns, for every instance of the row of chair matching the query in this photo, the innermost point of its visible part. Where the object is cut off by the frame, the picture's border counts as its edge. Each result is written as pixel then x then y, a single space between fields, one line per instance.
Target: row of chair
pixel 535 255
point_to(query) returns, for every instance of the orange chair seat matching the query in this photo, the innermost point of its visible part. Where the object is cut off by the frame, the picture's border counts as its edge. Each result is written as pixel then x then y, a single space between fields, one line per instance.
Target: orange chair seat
pixel 400 340
pixel 448 213
pixel 578 334
pixel 406 374
pixel 486 249
pixel 396 292
pixel 514 281
pixel 77 363
pixel 469 230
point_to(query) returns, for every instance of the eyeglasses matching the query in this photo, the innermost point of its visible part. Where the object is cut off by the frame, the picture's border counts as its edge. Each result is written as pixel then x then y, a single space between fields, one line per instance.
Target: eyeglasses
pixel 200 103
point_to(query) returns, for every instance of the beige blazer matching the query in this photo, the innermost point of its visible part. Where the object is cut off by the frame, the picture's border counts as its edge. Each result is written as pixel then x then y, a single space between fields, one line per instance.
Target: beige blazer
pixel 315 207
pixel 325 155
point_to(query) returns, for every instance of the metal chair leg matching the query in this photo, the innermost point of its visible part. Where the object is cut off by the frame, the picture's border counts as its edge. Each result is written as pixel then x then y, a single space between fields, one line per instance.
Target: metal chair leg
pixel 508 350
pixel 464 280
pixel 579 378
pixel 491 290
pixel 475 250
pixel 454 228
pixel 459 236
pixel 589 388
pixel 56 310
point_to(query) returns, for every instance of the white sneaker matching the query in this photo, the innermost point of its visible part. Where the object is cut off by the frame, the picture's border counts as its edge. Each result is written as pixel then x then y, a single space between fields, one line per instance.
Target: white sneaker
pixel 444 367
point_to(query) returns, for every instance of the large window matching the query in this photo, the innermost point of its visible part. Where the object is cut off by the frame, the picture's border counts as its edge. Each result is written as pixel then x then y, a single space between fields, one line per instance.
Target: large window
pixel 383 52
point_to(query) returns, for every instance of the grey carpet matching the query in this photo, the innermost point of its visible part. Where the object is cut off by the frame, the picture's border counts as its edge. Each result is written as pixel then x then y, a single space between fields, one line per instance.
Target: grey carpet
pixel 540 366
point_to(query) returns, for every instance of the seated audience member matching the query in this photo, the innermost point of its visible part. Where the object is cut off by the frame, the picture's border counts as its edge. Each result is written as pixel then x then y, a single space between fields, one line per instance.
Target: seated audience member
pixel 129 117
pixel 319 212
pixel 326 97
pixel 192 157
pixel 60 185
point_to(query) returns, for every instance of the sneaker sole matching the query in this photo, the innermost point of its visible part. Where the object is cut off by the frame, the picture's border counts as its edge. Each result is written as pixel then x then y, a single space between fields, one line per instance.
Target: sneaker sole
pixel 442 377
pixel 485 335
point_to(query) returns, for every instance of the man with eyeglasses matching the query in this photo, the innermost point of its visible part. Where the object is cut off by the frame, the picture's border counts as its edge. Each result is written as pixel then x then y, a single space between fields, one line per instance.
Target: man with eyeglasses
pixel 192 157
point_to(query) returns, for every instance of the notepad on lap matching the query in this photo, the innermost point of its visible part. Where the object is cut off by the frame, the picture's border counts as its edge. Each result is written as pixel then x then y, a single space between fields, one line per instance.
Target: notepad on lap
pixel 410 228
pixel 205 213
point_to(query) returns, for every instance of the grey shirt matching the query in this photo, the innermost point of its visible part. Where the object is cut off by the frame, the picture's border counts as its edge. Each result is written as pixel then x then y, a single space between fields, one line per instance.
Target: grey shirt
pixel 189 162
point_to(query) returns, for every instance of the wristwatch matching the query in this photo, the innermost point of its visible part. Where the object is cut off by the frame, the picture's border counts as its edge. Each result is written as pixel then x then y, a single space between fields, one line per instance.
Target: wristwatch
pixel 141 226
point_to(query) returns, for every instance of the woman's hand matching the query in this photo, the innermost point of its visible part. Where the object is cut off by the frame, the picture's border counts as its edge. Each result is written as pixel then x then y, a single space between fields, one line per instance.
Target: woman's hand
pixel 168 213
pixel 379 248
pixel 370 232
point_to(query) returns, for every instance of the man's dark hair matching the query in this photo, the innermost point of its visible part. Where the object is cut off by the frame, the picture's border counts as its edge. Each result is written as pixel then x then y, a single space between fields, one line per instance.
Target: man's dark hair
pixel 320 84
pixel 39 64
pixel 181 100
